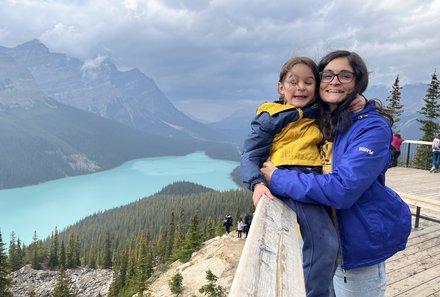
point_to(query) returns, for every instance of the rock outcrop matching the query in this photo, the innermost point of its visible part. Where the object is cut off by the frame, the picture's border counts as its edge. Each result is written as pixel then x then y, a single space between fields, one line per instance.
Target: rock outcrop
pixel 86 282
pixel 220 255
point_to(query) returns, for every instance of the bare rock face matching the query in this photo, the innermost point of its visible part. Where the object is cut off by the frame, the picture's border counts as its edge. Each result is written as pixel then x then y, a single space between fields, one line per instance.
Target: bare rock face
pixel 220 255
pixel 86 282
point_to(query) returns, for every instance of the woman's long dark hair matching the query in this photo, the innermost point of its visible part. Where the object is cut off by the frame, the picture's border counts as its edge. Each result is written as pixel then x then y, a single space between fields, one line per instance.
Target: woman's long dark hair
pixel 340 119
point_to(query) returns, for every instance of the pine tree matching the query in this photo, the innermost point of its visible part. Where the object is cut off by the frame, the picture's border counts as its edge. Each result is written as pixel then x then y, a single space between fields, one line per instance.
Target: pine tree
pixel 209 231
pixel 15 258
pixel 170 236
pixel 219 227
pixel 394 105
pixel 62 260
pixel 178 237
pixel 144 261
pixel 176 283
pixel 72 251
pixel 193 239
pixel 211 289
pixel 431 110
pixel 132 256
pixel 123 269
pixel 107 260
pixel 35 252
pixel 430 125
pixel 5 282
pixel 53 253
pixel 115 285
pixel 92 256
pixel 77 252
pixel 160 247
pixel 63 285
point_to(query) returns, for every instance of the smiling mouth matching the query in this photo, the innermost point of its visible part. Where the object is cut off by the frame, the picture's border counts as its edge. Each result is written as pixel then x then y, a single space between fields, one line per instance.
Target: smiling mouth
pixel 335 91
pixel 300 97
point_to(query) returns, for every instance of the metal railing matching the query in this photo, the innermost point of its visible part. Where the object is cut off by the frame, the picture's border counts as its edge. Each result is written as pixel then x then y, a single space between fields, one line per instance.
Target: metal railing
pixel 416 154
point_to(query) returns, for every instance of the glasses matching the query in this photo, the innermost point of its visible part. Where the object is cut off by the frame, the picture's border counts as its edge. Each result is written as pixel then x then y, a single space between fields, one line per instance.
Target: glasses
pixel 344 77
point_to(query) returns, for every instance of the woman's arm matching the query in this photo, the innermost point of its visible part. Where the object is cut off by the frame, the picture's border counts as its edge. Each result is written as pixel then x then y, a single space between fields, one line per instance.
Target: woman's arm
pixel 360 163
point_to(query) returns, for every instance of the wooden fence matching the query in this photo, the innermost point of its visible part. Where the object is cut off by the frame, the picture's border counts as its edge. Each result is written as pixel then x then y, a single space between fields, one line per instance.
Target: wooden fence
pixel 271 261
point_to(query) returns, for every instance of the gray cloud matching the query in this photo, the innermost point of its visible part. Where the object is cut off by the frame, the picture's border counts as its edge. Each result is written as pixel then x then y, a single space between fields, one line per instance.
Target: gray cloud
pixel 231 50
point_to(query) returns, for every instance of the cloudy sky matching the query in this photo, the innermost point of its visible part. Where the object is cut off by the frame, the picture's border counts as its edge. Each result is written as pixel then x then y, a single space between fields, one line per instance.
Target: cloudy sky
pixel 230 49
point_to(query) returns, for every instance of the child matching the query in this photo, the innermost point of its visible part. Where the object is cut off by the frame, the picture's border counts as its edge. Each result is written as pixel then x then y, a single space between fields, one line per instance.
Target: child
pixel 286 131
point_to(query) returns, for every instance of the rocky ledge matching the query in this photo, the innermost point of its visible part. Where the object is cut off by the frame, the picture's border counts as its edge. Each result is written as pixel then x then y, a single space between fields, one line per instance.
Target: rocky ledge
pixel 86 282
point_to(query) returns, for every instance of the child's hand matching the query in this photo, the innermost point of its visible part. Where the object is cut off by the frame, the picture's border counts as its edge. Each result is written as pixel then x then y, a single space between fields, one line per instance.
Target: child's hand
pixel 260 190
pixel 267 170
pixel 358 104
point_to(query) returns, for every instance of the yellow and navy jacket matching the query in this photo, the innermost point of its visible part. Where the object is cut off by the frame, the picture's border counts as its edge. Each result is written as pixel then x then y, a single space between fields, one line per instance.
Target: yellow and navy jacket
pixel 289 136
pixel 373 221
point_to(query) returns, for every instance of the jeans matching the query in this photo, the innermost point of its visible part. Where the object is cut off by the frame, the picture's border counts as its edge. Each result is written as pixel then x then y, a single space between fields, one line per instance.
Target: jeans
pixel 435 159
pixel 369 281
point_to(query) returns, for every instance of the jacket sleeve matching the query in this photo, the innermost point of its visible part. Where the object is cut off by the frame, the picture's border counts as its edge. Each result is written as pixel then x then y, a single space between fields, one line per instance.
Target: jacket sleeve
pixel 256 149
pixel 361 163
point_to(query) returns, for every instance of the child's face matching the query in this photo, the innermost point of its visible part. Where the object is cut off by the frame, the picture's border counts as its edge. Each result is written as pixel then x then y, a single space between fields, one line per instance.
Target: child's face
pixel 298 87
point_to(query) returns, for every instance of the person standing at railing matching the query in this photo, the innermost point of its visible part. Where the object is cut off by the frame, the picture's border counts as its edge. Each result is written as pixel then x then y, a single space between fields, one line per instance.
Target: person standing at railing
pixel 373 222
pixel 395 149
pixel 435 154
pixel 286 131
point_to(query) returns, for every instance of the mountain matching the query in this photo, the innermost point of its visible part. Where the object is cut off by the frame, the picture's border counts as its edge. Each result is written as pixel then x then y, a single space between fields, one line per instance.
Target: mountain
pixel 97 86
pixel 43 139
pixel 237 125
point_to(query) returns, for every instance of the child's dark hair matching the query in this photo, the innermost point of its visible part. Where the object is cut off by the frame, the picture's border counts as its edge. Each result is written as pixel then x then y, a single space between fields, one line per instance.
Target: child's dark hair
pixel 299 60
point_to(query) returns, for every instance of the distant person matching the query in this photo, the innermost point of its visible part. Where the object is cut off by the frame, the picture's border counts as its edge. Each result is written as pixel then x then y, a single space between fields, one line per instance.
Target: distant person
pixel 395 149
pixel 240 226
pixel 435 154
pixel 247 224
pixel 286 132
pixel 228 223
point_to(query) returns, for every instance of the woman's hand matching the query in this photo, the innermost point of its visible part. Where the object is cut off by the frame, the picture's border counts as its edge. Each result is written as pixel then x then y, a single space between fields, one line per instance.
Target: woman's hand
pixel 260 190
pixel 267 170
pixel 358 104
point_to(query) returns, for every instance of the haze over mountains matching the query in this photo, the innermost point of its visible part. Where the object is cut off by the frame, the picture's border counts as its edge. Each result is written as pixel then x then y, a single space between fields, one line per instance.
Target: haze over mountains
pixel 97 86
pixel 62 116
pixel 111 118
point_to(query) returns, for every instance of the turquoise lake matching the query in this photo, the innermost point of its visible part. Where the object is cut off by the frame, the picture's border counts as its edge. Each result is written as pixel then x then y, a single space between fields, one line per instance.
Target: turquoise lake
pixel 60 203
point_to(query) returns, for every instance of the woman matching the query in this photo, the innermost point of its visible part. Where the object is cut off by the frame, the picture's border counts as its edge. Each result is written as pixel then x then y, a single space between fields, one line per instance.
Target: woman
pixel 373 222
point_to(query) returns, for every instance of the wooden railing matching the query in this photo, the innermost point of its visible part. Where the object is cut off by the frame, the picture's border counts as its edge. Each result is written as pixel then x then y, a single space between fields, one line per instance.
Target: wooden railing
pixel 420 202
pixel 271 261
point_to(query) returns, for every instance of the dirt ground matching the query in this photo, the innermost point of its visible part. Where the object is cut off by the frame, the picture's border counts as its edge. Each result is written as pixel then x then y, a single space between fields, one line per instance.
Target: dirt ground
pixel 221 255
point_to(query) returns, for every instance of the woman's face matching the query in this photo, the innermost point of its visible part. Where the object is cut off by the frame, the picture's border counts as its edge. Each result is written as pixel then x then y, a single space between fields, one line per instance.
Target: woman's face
pixel 298 87
pixel 335 92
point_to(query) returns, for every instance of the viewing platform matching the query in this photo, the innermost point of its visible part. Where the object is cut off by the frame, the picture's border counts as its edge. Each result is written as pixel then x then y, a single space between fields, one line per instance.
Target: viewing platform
pixel 272 250
pixel 415 271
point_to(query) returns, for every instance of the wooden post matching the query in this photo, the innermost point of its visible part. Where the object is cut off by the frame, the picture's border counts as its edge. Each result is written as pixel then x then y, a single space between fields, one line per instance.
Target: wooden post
pixel 271 261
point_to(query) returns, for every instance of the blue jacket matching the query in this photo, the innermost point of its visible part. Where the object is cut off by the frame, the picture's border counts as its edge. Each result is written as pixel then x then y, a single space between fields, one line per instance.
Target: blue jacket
pixel 286 134
pixel 373 221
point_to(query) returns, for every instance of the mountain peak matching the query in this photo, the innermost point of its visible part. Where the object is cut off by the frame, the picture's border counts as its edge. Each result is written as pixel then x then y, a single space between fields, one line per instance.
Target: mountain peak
pixel 34 45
